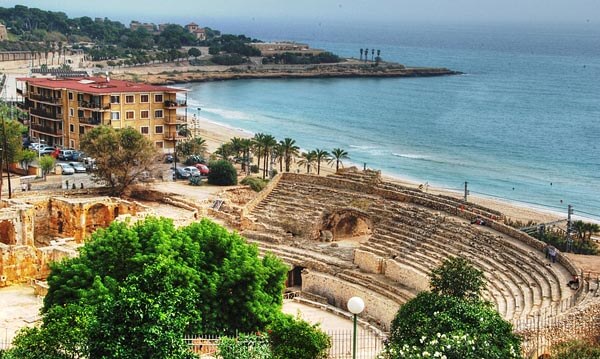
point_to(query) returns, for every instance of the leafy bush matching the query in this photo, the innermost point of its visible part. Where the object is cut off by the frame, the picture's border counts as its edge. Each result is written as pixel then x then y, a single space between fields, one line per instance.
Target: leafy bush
pixel 245 347
pixel 295 338
pixel 222 173
pixel 254 169
pixel 576 350
pixel 559 241
pixel 228 59
pixel 257 184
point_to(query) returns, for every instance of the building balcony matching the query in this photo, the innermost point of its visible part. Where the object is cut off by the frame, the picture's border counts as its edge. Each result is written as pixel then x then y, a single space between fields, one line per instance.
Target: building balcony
pixel 175 120
pixel 93 106
pixel 173 136
pixel 45 114
pixel 46 99
pixel 21 92
pixel 175 104
pixel 89 121
pixel 51 131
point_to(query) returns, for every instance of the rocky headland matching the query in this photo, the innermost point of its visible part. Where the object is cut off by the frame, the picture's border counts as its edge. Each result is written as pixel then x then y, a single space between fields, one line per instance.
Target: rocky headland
pixel 182 74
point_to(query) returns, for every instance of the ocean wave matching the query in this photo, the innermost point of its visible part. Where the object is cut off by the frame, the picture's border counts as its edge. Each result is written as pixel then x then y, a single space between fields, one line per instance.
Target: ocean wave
pixel 411 156
pixel 228 114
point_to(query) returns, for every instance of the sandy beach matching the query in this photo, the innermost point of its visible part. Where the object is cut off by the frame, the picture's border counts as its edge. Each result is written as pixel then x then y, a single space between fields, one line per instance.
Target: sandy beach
pixel 216 134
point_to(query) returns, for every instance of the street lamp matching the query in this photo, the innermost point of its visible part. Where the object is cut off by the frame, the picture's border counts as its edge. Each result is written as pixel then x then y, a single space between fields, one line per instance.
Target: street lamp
pixel 355 305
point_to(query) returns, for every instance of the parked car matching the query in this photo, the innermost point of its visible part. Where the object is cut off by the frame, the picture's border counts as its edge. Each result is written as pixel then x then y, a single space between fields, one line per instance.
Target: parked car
pixel 78 167
pixel 193 171
pixel 65 155
pixel 169 159
pixel 89 163
pixel 47 151
pixel 179 173
pixel 65 169
pixel 204 170
pixel 77 156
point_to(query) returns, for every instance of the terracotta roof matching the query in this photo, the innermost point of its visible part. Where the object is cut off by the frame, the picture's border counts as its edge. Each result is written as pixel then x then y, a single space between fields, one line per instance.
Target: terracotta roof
pixel 192 24
pixel 96 85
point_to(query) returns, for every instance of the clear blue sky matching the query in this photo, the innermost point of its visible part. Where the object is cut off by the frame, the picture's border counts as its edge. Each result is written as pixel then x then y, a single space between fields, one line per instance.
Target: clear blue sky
pixel 387 11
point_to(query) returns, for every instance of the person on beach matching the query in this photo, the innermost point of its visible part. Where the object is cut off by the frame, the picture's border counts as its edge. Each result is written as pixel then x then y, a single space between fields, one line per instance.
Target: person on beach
pixel 552 251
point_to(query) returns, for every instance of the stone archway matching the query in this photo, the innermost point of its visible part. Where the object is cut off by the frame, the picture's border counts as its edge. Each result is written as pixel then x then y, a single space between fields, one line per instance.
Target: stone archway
pixel 294 278
pixel 347 224
pixel 7 233
pixel 97 216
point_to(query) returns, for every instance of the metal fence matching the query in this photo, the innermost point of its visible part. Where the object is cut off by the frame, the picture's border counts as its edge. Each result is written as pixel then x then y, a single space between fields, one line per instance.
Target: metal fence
pixel 368 346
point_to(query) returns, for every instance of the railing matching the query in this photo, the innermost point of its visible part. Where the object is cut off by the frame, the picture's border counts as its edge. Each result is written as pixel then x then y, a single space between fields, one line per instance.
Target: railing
pixel 89 121
pixel 93 106
pixel 172 104
pixel 173 136
pixel 47 130
pixel 175 120
pixel 46 99
pixel 367 346
pixel 45 114
pixel 20 92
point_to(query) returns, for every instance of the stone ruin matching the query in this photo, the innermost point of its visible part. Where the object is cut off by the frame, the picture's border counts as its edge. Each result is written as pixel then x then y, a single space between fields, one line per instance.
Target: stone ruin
pixel 35 231
pixel 353 234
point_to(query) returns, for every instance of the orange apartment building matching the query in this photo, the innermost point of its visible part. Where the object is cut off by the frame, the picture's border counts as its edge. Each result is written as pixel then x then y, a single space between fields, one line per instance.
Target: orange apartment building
pixel 62 110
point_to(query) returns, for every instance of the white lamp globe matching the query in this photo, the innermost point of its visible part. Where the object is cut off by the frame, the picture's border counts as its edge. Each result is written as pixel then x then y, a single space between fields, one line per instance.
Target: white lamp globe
pixel 356 305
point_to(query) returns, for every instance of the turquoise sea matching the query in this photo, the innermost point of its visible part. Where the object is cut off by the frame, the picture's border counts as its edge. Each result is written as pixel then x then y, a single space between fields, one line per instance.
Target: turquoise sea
pixel 522 124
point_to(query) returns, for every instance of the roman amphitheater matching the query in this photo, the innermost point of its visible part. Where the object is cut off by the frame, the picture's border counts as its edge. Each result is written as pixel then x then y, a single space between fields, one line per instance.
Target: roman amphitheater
pixel 348 234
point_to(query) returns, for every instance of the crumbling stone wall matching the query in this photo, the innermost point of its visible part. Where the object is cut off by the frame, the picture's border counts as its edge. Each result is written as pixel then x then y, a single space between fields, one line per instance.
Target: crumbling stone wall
pixel 337 291
pixel 29 232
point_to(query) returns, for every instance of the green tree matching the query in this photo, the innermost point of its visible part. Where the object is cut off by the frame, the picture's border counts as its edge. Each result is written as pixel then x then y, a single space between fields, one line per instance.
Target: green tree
pixel 47 163
pixel 307 159
pixel 135 290
pixel 295 338
pixel 194 52
pixel 455 324
pixel 222 173
pixel 457 277
pixel 26 158
pixel 290 150
pixel 122 156
pixel 192 147
pixel 321 155
pixel 337 155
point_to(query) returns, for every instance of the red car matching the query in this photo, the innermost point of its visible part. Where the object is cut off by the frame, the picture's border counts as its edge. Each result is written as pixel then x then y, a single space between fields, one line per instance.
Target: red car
pixel 204 170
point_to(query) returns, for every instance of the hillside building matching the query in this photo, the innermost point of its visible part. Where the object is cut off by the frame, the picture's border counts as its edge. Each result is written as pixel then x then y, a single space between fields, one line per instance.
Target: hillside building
pixel 62 110
pixel 196 30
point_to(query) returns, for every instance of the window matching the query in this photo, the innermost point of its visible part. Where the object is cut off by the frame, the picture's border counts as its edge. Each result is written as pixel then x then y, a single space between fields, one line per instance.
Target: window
pixel 159 144
pixel 71 112
pixel 81 130
pixel 129 115
pixel 158 114
pixel 115 99
pixel 71 128
pixel 158 129
pixel 144 98
pixel 144 114
pixel 144 130
pixel 129 99
pixel 158 98
pixel 115 116
pixel 80 113
pixel 70 96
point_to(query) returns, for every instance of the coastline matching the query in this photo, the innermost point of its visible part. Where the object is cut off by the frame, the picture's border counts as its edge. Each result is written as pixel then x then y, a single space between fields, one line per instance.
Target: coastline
pixel 182 73
pixel 216 134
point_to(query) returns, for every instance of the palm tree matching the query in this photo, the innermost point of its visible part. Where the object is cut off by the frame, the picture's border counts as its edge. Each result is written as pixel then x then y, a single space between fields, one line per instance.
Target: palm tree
pixel 307 159
pixel 337 155
pixel 269 142
pixel 257 141
pixel 321 155
pixel 246 145
pixel 60 48
pixel 366 55
pixel 372 54
pixel 290 150
pixel 278 155
pixel 361 53
pixel 225 151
